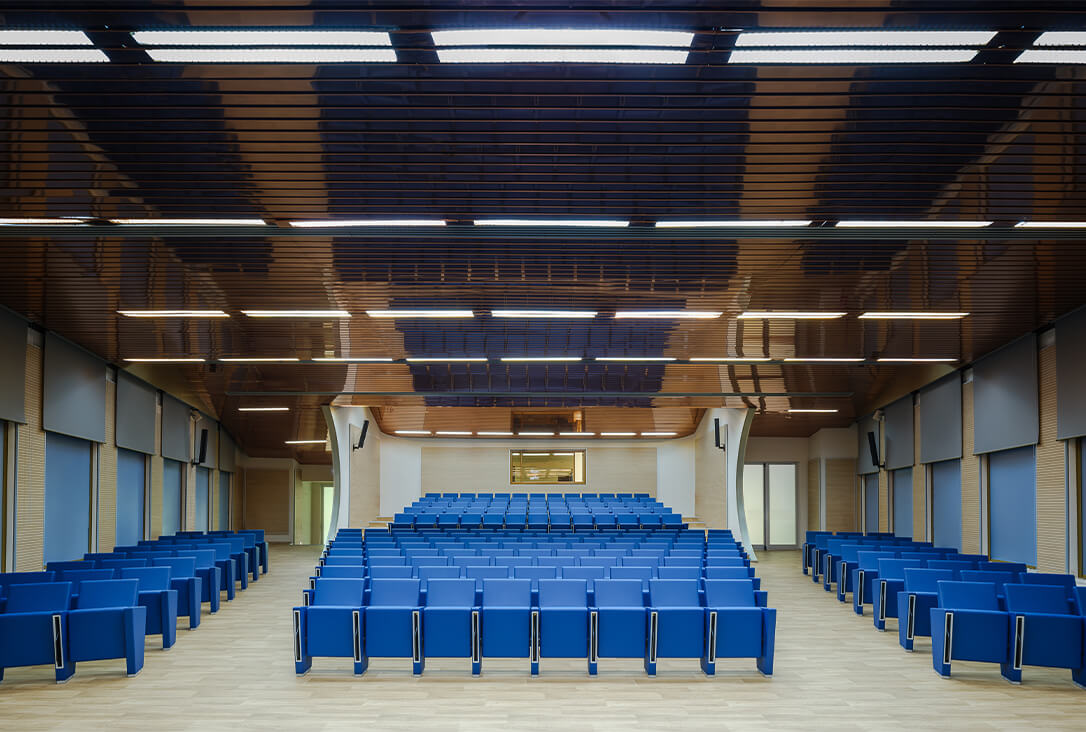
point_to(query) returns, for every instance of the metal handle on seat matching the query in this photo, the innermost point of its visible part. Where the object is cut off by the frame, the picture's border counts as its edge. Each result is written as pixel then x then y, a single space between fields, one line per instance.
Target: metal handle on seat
pixel 712 637
pixel 58 641
pixel 593 636
pixel 653 625
pixel 356 639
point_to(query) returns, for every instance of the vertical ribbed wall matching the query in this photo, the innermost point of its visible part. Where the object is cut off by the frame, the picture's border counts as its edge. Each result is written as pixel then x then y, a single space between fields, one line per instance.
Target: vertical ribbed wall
pixel 970 477
pixel 30 496
pixel 1051 483
pixel 107 475
pixel 841 494
pixel 157 467
pixel 920 524
pixel 814 510
pixel 884 500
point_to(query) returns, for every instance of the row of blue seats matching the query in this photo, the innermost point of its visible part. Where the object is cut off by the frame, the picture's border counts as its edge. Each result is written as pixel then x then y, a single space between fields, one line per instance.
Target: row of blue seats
pixel 547 496
pixel 400 618
pixel 502 520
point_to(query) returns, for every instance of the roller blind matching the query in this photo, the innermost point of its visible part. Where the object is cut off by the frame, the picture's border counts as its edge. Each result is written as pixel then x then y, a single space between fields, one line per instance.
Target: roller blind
pixel 1070 357
pixel 1005 408
pixel 899 434
pixel 863 456
pixel 136 413
pixel 12 368
pixel 227 451
pixel 74 391
pixel 941 420
pixel 175 430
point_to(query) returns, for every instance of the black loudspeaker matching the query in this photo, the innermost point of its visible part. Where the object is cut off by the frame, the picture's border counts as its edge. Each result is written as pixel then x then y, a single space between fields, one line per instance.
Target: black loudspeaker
pixel 362 437
pixel 716 431
pixel 201 456
pixel 873 446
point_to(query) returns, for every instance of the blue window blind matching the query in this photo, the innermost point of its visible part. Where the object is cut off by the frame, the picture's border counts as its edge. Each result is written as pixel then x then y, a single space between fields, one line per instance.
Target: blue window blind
pixel 903 502
pixel 1082 507
pixel 67 497
pixel 222 519
pixel 203 480
pixel 871 502
pixel 131 481
pixel 171 497
pixel 946 503
pixel 1012 505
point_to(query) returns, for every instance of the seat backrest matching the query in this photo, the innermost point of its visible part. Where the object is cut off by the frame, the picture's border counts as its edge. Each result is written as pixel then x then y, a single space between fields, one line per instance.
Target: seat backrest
pixel 638 572
pixel 729 593
pixel 849 551
pixel 926 580
pixel 150 579
pixel 68 564
pixel 76 576
pixel 535 572
pixel 107 593
pixel 968 596
pixel 179 566
pixel 895 568
pixel 563 593
pixel 999 579
pixel 344 571
pixel 394 591
pixel 951 564
pixel 1064 581
pixel 727 573
pixel 678 573
pixel 205 558
pixel 1002 567
pixel 1049 599
pixel 429 572
pixel 674 592
pixel 869 561
pixel 585 573
pixel 507 593
pixel 39 597
pixel 450 593
pixel 338 591
pixel 495 572
pixel 24 578
pixel 619 593
pixel 398 571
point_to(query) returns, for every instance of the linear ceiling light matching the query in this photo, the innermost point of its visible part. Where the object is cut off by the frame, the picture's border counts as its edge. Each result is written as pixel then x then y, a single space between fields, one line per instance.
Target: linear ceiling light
pixel 576 434
pixel 297 313
pixel 790 315
pixel 273 55
pixel 305 442
pixel 618 434
pixel 52 56
pixel 263 409
pixel 589 37
pixel 911 316
pixel 189 222
pixel 44 38
pixel 539 359
pixel 412 432
pixel 1053 56
pixel 730 224
pixel 855 56
pixel 634 358
pixel 174 313
pixel 494 434
pixel 912 224
pixel 165 360
pixel 452 433
pixel 812 411
pixel 444 359
pixel 877 37
pixel 535 434
pixel 268 46
pixel 420 313
pixel 44 222
pixel 823 360
pixel 336 223
pixel 248 359
pixel 730 359
pixel 1050 225
pixel 543 313
pixel 659 434
pixel 918 360
pixel 351 359
pixel 280 37
pixel 596 223
pixel 669 314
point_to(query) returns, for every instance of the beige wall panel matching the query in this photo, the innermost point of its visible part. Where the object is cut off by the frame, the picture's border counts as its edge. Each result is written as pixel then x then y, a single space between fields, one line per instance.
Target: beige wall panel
pixel 884 501
pixel 920 529
pixel 365 472
pixel 30 498
pixel 1051 479
pixel 267 499
pixel 107 475
pixel 970 477
pixel 813 509
pixel 841 494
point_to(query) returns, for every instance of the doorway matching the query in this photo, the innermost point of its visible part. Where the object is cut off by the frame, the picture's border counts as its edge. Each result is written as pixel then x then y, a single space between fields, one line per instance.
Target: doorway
pixel 769 499
pixel 312 512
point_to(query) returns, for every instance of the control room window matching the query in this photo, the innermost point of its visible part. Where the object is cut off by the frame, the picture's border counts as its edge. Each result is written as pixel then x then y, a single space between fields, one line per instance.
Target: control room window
pixel 546 467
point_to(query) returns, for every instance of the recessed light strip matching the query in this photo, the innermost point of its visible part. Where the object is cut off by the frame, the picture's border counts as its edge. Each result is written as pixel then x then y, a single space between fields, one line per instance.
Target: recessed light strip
pixel 305 442
pixel 872 315
pixel 658 434
pixel 61 221
pixel 730 359
pixel 543 313
pixel 34 37
pixel 730 224
pixel 864 37
pixel 540 359
pixel 189 222
pixel 588 37
pixel 412 432
pixel 420 313
pixel 174 313
pixel 166 360
pixel 263 409
pixel 339 223
pixel 351 359
pixel 262 37
pixel 448 359
pixel 789 315
pixel 259 359
pixel 917 360
pixel 53 56
pixel 812 411
pixel 635 358
pixel 297 313
pixel 1050 225
pixel 594 223
pixel 668 314
pixel 911 224
pixel 823 360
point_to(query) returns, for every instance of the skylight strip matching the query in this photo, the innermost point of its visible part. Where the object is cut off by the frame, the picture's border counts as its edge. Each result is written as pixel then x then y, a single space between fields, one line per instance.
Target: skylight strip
pixel 912 224
pixel 297 313
pixel 282 37
pixel 337 223
pixel 189 222
pixel 746 223
pixel 272 55
pixel 543 313
pixel 590 37
pixel 1050 225
pixel 597 223
pixel 560 55
pixel 668 314
pixel 420 313
pixel 53 56
pixel 867 37
pixel 828 56
pixel 1061 38
pixel 28 37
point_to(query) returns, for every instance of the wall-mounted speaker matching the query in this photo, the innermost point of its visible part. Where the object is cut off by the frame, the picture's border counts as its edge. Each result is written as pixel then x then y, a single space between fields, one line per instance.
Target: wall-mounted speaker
pixel 362 435
pixel 201 454
pixel 873 447
pixel 716 431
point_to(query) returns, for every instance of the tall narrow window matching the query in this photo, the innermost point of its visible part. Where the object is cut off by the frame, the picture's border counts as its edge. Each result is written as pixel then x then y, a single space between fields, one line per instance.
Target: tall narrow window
pixel 871 503
pixel 67 497
pixel 203 487
pixel 222 515
pixel 1012 505
pixel 903 501
pixel 131 484
pixel 946 503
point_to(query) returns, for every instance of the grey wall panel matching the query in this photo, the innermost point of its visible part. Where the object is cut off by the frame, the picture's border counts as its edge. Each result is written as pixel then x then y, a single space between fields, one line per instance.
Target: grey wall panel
pixel 74 391
pixel 1005 409
pixel 12 368
pixel 211 460
pixel 899 434
pixel 941 420
pixel 136 414
pixel 176 432
pixel 863 458
pixel 227 451
pixel 1070 364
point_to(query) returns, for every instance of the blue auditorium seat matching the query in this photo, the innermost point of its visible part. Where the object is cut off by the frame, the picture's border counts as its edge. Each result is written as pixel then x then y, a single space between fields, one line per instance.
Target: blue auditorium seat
pixel 392 621
pixel 398 571
pixel 21 578
pixel 915 601
pixel 738 624
pixel 679 573
pixel 891 580
pixel 999 579
pixel 155 595
pixel 450 621
pixel 563 618
pixel 509 623
pixel 1064 581
pixel 108 622
pixel 183 579
pixel 343 571
pixel 968 625
pixel 1046 631
pixel 331 625
pixel 1002 567
pixel 210 575
pixel 59 567
pixel 34 627
pixel 714 573
pixel 429 572
pixel 622 619
pixel 676 621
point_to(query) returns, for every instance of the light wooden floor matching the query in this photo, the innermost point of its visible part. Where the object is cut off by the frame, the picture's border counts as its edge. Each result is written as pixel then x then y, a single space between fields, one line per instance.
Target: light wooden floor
pixel 833 670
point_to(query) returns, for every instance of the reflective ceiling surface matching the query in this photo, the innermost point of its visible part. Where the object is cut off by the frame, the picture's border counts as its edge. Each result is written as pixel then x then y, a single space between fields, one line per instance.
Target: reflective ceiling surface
pixel 986 139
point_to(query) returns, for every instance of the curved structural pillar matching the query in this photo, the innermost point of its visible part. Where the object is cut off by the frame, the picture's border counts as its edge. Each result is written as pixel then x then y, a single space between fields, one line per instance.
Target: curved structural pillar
pixel 719 470
pixel 344 423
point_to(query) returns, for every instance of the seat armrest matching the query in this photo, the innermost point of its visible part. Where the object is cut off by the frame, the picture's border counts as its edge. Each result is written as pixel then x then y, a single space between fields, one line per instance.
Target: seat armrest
pixel 761 598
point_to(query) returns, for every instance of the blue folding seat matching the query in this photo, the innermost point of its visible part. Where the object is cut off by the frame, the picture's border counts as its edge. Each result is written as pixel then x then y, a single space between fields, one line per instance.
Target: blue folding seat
pixel 714 573
pixel 676 621
pixel 155 595
pixel 864 579
pixel 999 579
pixel 1065 581
pixel 473 561
pixel 259 557
pixel 644 574
pixel 493 520
pixel 331 624
pixel 627 521
pixel 429 572
pixel 75 576
pixel 21 578
pixel 426 520
pixel 374 552
pixel 968 625
pixel 210 575
pixel 1002 567
pixel 393 561
pixel 649 520
pixel 398 571
pixel 590 574
pixel 563 619
pixel 107 622
pixel 228 567
pixel 915 601
pixel 954 565
pixel 392 621
pixel 682 562
pixel 622 621
pixel 679 573
pixel 556 561
pixel 189 591
pixel 891 581
pixel 682 553
pixel 34 627
pixel 1046 631
pixel 598 561
pixel 471 520
pixel 738 624
pixel 403 521
pixel 450 622
pixel 516 520
pixel 605 521
pixel 510 626
pixel 535 574
pixel 478 574
pixel 844 563
pixel 236 549
pixel 342 571
pixel 735 561
pixel 640 562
